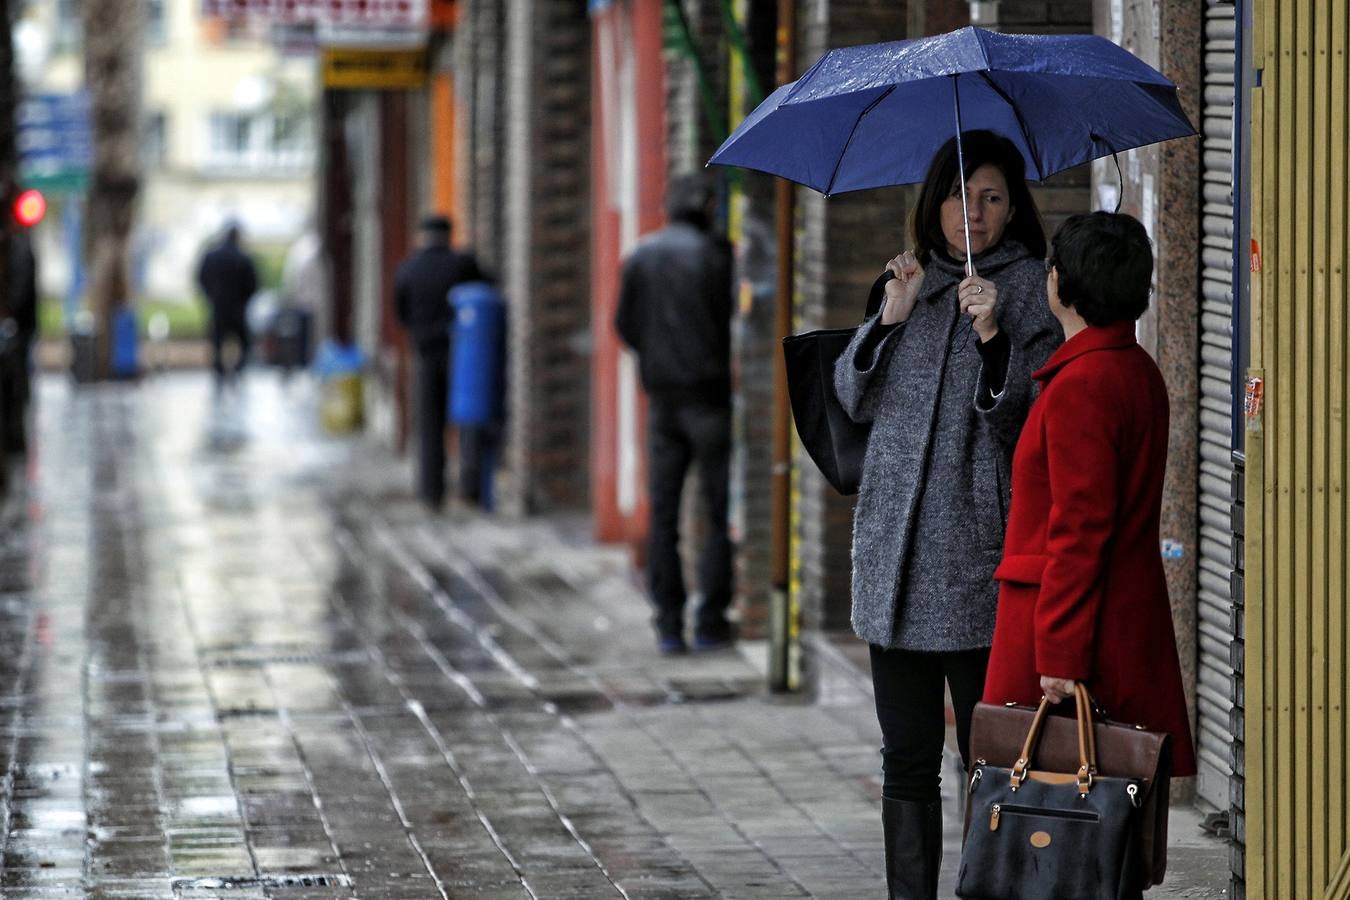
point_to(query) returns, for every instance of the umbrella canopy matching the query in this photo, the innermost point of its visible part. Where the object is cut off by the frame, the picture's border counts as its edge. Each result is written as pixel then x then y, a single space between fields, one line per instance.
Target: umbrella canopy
pixel 875 115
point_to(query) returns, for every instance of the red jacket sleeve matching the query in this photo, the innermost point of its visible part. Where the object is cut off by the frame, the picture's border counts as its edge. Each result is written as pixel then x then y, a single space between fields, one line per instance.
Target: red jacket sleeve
pixel 1082 423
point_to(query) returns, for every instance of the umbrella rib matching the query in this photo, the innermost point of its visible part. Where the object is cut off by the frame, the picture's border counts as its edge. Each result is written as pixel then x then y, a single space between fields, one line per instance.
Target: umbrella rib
pixel 829 188
pixel 1021 123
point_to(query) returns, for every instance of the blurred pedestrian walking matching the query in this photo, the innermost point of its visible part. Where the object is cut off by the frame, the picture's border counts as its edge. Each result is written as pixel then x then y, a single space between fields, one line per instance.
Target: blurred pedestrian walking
pixel 422 301
pixel 229 279
pixel 675 312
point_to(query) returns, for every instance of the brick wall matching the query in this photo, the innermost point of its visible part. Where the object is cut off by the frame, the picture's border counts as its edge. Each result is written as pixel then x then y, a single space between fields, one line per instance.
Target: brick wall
pixel 479 73
pixel 757 356
pixel 1069 192
pixel 683 109
pixel 842 245
pixel 940 16
pixel 1045 16
pixel 545 233
pixel 690 136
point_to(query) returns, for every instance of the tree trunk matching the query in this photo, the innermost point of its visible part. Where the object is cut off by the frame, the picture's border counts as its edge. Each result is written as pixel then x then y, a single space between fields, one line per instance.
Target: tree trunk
pixel 113 31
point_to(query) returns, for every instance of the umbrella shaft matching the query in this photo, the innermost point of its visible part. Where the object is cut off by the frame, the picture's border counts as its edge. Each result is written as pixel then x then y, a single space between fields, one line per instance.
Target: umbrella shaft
pixel 961 174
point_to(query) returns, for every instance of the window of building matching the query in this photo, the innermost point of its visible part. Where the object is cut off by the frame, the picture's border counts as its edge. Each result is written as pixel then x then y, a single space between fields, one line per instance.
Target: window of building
pixel 261 141
pixel 229 142
pixel 156 23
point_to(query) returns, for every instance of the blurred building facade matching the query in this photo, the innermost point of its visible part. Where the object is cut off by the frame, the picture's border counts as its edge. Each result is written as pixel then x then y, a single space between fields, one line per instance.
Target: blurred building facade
pixel 228 135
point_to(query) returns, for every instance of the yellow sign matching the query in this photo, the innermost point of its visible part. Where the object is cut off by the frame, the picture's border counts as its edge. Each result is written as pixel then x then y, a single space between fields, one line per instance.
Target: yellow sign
pixel 344 68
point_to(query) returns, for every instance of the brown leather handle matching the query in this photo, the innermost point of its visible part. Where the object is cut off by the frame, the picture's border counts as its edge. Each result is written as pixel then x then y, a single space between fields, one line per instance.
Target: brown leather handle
pixel 1023 764
pixel 1087 741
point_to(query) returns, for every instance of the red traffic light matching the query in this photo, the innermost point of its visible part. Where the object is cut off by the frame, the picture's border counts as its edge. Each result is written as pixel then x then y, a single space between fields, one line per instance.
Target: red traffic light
pixel 30 207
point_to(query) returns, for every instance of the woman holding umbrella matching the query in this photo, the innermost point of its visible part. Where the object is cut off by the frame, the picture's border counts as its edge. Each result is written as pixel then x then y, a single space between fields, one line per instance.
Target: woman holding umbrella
pixel 928 529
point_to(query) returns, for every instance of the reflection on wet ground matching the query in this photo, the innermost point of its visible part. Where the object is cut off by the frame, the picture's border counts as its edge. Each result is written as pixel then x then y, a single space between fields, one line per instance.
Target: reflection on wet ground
pixel 236 660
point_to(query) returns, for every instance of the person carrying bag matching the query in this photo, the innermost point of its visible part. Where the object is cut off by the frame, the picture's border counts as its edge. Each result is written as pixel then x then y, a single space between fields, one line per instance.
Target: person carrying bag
pixel 1082 594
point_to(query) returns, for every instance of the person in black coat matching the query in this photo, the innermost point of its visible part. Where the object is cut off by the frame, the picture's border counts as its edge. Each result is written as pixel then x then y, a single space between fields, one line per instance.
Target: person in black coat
pixel 229 279
pixel 422 302
pixel 675 312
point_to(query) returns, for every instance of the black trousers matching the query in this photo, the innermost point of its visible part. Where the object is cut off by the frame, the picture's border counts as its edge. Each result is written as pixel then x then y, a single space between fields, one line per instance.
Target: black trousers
pixel 478 449
pixel 223 328
pixel 431 378
pixel 911 709
pixel 682 433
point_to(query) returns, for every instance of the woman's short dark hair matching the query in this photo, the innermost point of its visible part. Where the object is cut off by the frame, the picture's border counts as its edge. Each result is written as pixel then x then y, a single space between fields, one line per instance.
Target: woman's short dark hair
pixel 979 148
pixel 1105 265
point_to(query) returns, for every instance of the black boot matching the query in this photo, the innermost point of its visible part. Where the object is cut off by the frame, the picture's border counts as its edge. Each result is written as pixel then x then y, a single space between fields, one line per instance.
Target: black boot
pixel 913 831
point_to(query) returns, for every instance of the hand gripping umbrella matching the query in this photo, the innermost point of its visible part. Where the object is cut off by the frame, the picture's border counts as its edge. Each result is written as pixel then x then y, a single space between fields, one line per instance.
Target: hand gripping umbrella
pixel 864 117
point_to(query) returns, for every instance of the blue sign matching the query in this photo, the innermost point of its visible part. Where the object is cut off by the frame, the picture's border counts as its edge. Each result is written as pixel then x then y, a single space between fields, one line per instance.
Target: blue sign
pixel 55 139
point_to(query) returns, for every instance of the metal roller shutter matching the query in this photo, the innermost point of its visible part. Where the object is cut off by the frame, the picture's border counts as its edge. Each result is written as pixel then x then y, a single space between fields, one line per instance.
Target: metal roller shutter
pixel 1214 740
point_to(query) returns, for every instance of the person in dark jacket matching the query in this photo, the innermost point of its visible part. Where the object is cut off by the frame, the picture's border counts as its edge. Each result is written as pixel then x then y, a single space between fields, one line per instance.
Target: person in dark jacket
pixel 229 279
pixel 675 313
pixel 422 302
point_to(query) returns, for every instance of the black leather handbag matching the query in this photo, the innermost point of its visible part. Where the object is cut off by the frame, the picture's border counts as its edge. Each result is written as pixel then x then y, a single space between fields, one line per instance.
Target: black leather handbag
pixel 1049 835
pixel 834 441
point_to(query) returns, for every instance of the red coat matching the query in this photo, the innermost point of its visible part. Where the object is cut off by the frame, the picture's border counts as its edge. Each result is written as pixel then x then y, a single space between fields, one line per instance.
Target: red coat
pixel 1082 593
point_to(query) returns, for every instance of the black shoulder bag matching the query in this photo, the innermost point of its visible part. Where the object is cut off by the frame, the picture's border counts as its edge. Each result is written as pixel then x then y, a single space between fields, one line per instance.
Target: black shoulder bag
pixel 834 441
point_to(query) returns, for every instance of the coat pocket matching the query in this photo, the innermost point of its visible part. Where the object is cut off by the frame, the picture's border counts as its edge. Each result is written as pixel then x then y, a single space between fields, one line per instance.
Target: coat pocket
pixel 1024 568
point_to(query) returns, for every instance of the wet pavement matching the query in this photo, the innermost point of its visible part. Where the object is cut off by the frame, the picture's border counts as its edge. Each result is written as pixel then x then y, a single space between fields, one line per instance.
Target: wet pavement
pixel 238 660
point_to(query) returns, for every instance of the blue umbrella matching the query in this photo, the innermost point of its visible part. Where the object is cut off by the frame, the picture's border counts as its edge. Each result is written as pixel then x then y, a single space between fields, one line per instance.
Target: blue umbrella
pixel 870 116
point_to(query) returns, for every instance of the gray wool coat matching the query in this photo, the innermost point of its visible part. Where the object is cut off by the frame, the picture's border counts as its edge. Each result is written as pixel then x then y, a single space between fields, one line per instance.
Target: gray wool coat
pixel 928 527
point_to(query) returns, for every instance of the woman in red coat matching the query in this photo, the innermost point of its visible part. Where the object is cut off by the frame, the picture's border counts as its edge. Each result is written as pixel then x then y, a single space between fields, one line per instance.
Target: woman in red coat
pixel 1082 595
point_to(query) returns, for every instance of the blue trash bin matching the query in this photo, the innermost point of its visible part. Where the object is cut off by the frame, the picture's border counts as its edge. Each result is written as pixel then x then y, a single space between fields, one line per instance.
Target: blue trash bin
pixel 475 407
pixel 124 360
pixel 476 376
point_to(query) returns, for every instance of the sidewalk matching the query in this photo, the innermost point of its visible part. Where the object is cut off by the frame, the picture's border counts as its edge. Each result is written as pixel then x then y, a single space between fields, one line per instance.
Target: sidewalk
pixel 239 661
